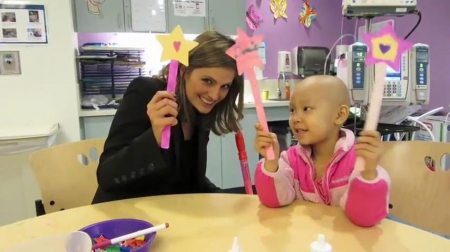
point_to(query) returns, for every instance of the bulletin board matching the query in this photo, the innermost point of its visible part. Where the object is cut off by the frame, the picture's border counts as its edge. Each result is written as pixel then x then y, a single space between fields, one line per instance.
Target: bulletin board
pixel 23 24
pixel 148 16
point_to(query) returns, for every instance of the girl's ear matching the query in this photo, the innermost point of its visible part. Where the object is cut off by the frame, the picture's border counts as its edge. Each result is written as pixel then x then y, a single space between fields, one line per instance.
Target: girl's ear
pixel 342 114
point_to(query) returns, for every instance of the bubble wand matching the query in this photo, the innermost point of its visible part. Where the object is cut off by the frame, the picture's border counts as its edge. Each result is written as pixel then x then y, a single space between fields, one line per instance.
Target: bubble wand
pixel 245 52
pixel 385 49
pixel 242 153
pixel 176 49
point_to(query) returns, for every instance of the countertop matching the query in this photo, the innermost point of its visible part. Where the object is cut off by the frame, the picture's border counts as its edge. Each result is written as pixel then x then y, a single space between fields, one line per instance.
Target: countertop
pixel 112 112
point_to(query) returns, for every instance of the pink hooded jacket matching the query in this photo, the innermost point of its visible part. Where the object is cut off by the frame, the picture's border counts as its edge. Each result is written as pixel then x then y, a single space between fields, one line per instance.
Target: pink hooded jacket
pixel 365 202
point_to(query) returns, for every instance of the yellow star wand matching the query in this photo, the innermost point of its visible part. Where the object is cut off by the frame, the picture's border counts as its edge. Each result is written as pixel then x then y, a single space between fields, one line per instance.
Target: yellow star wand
pixel 176 49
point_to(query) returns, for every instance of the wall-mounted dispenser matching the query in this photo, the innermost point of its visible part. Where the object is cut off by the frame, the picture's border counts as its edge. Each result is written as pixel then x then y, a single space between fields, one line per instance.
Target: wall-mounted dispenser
pixel 284 62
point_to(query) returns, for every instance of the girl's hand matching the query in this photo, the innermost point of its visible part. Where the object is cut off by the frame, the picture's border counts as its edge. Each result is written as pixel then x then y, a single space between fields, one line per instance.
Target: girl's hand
pixel 263 140
pixel 368 147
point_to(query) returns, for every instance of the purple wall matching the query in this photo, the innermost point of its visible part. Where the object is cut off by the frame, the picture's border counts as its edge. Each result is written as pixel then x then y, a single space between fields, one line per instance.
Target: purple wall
pixel 280 35
pixel 284 35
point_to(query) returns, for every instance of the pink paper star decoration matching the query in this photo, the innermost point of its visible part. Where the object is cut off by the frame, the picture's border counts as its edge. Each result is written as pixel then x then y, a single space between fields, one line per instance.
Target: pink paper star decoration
pixel 385 46
pixel 245 52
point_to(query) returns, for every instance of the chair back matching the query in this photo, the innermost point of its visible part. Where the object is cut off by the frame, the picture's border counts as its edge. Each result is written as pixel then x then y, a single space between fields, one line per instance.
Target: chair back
pixel 66 173
pixel 420 188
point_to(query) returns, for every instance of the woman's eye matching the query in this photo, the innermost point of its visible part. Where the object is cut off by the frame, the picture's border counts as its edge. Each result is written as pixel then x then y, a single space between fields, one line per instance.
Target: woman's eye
pixel 208 81
pixel 306 108
pixel 226 86
pixel 291 110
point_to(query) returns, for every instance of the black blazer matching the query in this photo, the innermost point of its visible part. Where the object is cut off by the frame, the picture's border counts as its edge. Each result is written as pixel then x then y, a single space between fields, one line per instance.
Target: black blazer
pixel 132 163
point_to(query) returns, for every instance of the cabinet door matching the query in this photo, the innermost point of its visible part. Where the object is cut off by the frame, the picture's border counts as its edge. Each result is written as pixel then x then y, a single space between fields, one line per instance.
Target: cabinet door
pixel 157 13
pixel 95 126
pixel 106 16
pixel 190 25
pixel 214 164
pixel 226 16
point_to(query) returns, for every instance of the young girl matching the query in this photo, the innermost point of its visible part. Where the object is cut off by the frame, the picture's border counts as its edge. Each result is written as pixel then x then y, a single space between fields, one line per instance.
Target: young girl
pixel 320 168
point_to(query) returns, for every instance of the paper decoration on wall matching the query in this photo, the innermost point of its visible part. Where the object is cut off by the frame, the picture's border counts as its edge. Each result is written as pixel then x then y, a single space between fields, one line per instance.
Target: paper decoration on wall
pixel 278 7
pixel 307 15
pixel 94 7
pixel 384 49
pixel 245 52
pixel 252 18
pixel 176 49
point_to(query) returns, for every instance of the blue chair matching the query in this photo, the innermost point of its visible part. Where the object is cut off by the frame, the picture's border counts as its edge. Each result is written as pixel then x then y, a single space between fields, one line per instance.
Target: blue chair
pixel 420 188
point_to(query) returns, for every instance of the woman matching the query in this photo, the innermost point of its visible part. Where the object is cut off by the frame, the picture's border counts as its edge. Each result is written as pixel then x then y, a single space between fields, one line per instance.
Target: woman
pixel 133 164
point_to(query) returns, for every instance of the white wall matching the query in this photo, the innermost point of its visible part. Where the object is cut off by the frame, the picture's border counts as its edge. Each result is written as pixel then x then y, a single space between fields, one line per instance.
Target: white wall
pixel 46 92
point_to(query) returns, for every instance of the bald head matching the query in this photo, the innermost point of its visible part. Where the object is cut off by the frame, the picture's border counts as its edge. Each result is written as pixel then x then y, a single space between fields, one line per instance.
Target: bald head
pixel 328 88
pixel 327 97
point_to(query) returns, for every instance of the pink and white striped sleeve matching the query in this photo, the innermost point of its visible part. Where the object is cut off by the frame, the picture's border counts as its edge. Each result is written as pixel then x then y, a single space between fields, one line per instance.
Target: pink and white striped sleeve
pixel 275 189
pixel 366 201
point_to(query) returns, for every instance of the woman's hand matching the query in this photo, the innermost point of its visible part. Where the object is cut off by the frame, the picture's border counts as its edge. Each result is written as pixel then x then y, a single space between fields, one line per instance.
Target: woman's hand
pixel 368 147
pixel 162 111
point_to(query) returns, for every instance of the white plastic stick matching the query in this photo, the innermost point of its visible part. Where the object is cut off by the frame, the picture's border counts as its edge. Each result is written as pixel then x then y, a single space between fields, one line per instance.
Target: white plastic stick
pixel 139 233
pixel 375 105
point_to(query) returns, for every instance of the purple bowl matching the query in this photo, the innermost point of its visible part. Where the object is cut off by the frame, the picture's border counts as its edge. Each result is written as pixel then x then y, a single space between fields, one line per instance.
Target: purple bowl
pixel 118 227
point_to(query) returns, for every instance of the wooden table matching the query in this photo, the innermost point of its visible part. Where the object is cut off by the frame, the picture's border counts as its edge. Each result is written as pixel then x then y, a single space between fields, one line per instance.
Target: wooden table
pixel 209 222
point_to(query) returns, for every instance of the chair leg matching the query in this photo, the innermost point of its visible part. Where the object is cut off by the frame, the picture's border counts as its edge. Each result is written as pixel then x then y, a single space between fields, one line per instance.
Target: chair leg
pixel 39 207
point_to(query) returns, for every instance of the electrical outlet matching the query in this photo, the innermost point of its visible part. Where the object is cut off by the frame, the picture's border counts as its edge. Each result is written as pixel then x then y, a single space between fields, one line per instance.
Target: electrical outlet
pixel 9 63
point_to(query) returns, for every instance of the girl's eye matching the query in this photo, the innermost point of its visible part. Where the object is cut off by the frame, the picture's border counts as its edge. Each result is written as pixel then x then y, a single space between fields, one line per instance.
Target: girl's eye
pixel 306 108
pixel 226 86
pixel 291 110
pixel 208 81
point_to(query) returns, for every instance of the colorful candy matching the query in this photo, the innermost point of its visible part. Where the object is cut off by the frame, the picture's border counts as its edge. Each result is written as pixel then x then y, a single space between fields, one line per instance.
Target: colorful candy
pixel 126 246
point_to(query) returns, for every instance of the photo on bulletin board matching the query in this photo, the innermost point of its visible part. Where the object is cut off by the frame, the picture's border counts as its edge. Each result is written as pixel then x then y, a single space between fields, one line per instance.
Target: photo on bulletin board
pixel 23 24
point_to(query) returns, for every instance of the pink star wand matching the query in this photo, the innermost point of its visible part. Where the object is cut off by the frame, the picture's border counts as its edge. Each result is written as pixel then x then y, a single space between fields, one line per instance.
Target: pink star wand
pixel 385 49
pixel 245 52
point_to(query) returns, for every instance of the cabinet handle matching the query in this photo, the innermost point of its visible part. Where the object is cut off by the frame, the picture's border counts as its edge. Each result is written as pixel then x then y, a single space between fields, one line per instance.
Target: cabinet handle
pixel 130 24
pixel 212 24
pixel 119 24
